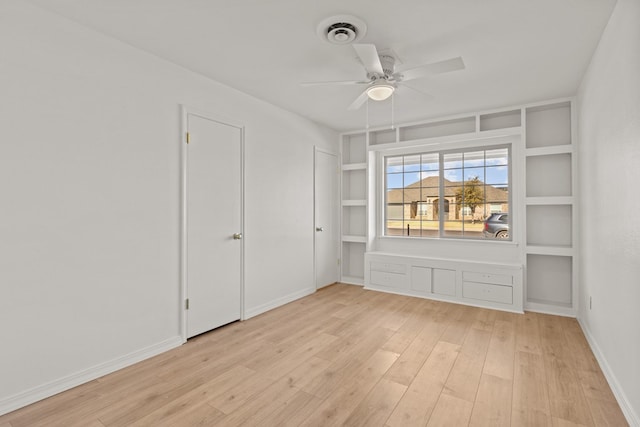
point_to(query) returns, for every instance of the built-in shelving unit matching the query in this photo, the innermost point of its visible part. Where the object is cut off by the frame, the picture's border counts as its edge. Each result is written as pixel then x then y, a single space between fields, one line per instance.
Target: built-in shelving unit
pixel 550 214
pixel 545 202
pixel 353 206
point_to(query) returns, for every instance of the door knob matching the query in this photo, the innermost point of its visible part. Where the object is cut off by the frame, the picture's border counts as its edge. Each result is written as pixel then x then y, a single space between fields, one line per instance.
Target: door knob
pixel 237 236
pixel 319 229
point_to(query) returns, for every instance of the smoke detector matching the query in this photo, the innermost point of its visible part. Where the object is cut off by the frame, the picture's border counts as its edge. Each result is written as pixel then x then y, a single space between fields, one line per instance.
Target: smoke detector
pixel 341 29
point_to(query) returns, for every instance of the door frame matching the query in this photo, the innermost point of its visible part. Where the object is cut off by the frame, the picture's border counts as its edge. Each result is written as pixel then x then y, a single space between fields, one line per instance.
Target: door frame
pixel 338 229
pixel 184 128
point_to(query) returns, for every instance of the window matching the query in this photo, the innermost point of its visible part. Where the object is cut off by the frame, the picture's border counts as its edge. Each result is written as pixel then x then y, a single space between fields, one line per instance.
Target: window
pixel 446 194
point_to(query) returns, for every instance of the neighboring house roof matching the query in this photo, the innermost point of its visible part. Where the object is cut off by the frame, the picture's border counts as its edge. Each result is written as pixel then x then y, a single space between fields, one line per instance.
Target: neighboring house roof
pixel 429 187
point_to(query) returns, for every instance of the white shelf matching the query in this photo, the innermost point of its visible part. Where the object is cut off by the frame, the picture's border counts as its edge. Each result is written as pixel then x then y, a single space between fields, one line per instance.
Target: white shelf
pixel 549 175
pixel 550 225
pixel 550 250
pixel 354 184
pixel 549 125
pixel 354 202
pixel 354 166
pixel 500 120
pixel 546 151
pixel 354 238
pixel 352 261
pixel 550 209
pixel 353 207
pixel 550 200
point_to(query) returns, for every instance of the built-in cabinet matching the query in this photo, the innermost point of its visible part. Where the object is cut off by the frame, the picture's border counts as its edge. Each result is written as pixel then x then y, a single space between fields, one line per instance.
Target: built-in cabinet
pixel 544 198
pixel 488 285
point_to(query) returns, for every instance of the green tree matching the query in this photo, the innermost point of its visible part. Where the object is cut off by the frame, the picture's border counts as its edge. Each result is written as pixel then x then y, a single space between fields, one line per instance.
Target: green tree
pixel 471 194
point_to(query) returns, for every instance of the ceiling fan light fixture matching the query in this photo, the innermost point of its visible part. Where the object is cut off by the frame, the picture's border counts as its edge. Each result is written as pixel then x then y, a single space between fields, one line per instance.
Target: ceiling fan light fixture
pixel 380 92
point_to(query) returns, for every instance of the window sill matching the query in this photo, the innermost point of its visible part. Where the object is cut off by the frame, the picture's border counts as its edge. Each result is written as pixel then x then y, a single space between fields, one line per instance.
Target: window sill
pixel 450 240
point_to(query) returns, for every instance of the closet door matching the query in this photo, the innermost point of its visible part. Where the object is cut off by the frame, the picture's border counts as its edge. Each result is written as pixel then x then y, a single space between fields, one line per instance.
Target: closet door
pixel 214 224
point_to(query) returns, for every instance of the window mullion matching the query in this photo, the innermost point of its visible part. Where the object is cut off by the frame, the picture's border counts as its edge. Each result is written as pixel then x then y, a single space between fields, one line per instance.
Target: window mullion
pixel 441 196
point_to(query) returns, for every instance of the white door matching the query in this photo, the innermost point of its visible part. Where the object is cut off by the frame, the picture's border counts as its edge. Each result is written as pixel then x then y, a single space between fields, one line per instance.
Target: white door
pixel 214 224
pixel 326 217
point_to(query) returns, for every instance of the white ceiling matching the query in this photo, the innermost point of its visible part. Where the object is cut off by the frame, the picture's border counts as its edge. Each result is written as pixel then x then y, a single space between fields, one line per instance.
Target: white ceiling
pixel 515 51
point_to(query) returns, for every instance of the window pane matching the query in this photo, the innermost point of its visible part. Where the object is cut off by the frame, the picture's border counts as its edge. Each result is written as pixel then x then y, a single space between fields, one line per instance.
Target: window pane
pixel 411 178
pixel 454 176
pixel 473 229
pixel 496 194
pixel 394 164
pixel 471 173
pixel 499 157
pixel 394 180
pixel 428 205
pixel 395 196
pixel 394 228
pixel 497 175
pixel 430 162
pixel 430 228
pixel 430 194
pixel 429 174
pixel 412 195
pixel 412 163
pixel 412 228
pixel 395 212
pixel 453 229
pixel 452 160
pixel 452 192
pixel 473 159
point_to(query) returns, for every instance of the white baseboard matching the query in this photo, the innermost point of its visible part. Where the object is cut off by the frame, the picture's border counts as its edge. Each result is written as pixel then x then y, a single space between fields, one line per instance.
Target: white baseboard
pixel 252 312
pixel 43 391
pixel 537 307
pixel 632 417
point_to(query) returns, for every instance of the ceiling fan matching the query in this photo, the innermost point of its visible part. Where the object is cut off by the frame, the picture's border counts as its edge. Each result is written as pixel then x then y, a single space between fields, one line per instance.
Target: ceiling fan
pixel 383 78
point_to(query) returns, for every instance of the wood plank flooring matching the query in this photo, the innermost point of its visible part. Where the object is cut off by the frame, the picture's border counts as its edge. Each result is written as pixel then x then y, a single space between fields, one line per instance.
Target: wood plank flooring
pixel 347 356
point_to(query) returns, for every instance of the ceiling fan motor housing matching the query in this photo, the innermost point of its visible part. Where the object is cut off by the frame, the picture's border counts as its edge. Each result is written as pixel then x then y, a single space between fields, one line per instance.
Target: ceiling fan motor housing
pixel 341 29
pixel 388 67
pixel 388 64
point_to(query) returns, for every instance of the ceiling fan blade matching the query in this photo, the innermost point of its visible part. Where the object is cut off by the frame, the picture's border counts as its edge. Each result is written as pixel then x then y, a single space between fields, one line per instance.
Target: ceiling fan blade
pixel 368 54
pixel 359 101
pixel 346 82
pixel 445 66
pixel 425 94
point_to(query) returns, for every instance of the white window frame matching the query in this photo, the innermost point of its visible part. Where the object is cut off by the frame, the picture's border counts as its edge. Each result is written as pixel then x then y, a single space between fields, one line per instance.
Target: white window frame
pixel 443 145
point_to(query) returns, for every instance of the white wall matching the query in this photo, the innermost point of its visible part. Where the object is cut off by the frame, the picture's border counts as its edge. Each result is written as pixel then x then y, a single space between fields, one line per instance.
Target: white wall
pixel 609 167
pixel 89 200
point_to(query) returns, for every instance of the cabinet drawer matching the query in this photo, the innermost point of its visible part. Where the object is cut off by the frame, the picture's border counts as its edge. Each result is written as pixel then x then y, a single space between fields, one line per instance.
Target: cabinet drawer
pixel 390 280
pixel 497 279
pixel 388 267
pixel 487 292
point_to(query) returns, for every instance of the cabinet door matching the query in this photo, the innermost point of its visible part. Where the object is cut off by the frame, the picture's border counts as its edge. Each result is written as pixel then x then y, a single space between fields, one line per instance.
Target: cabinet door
pixel 421 279
pixel 444 281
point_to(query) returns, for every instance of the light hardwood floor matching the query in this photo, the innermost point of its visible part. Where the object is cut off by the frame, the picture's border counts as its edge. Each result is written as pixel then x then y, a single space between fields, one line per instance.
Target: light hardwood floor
pixel 346 356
